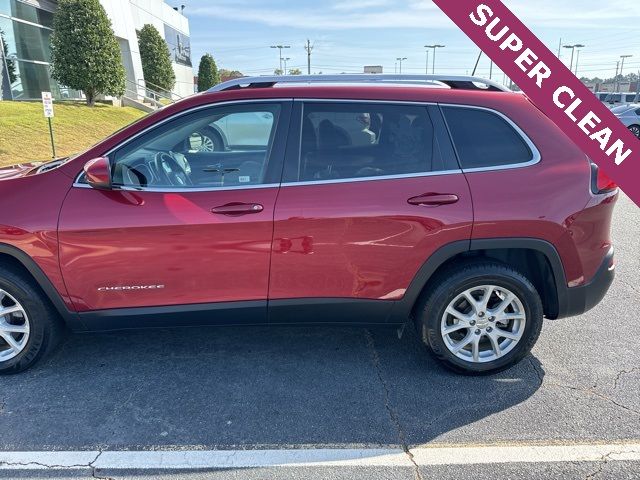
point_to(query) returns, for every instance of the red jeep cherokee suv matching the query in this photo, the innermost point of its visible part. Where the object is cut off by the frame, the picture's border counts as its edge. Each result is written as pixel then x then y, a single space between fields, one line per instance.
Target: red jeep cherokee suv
pixel 449 202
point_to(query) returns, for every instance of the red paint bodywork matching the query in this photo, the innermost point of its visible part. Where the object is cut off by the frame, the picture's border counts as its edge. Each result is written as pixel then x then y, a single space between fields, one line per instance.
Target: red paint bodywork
pixel 352 240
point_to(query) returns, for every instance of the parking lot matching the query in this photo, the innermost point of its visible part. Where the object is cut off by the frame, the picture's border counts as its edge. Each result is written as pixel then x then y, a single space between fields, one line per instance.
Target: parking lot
pixel 301 389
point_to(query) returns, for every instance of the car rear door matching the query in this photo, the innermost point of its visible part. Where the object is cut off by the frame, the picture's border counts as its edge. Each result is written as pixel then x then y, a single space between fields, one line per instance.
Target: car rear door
pixel 370 191
pixel 189 220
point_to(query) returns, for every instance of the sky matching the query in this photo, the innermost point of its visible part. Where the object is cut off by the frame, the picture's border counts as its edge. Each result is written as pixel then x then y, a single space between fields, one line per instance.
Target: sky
pixel 348 34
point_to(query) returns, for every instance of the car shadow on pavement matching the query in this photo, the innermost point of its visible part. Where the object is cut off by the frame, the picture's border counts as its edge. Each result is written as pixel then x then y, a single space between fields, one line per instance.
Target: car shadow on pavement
pixel 249 387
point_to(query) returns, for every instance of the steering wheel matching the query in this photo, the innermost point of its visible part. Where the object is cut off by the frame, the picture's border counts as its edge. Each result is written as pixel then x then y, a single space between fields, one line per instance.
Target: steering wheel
pixel 172 170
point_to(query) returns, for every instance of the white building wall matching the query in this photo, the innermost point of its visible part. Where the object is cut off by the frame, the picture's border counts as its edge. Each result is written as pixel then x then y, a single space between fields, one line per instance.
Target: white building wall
pixel 158 13
pixel 119 12
pixel 127 16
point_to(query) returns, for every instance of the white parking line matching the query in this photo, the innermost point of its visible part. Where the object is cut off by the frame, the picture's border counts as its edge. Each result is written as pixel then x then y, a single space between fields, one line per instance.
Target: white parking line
pixel 217 459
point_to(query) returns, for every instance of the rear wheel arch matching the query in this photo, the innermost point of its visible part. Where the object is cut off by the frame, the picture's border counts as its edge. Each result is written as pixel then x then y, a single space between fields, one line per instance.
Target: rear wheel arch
pixel 537 259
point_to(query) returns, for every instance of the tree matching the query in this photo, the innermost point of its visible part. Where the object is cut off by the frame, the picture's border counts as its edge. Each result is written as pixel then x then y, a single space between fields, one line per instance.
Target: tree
pixel 11 66
pixel 208 75
pixel 278 71
pixel 295 71
pixel 85 54
pixel 156 59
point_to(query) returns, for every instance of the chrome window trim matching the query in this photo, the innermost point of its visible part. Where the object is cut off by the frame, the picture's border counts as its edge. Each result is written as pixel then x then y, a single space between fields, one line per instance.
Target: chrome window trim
pixel 536 156
pixel 118 188
pixel 370 179
pixel 78 184
pixel 535 152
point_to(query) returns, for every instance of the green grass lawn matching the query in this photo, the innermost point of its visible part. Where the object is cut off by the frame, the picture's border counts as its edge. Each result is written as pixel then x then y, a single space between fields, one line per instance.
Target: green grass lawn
pixel 24 134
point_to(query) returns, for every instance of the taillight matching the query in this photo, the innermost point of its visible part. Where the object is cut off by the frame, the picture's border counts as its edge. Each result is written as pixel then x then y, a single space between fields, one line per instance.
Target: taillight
pixel 600 183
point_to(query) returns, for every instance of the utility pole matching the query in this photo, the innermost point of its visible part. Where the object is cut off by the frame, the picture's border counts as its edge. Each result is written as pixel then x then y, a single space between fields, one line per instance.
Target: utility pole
pixel 491 70
pixel 433 69
pixel 400 59
pixel 308 47
pixel 622 67
pixel 577 60
pixel 637 99
pixel 476 65
pixel 615 88
pixel 280 47
pixel 559 48
pixel 426 64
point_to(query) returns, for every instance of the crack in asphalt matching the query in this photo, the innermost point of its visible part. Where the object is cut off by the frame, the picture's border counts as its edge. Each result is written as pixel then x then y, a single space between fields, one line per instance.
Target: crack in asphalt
pixel 375 360
pixel 603 462
pixel 615 382
pixel 590 391
pixel 89 465
pixel 537 369
pixel 631 286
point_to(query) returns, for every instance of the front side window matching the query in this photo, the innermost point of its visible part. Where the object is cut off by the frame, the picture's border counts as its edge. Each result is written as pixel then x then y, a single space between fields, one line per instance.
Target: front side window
pixel 361 140
pixel 225 146
pixel 484 139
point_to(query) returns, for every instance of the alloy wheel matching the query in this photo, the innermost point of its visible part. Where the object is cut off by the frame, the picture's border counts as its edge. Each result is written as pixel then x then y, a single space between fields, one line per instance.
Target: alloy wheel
pixel 14 327
pixel 635 129
pixel 483 323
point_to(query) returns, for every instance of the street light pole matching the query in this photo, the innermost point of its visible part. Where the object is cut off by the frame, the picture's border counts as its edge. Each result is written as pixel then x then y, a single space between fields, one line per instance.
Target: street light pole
pixel 573 50
pixel 285 60
pixel 433 68
pixel 400 59
pixel 280 47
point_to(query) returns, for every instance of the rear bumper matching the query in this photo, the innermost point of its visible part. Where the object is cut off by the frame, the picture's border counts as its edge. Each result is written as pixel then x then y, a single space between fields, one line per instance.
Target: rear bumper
pixel 578 300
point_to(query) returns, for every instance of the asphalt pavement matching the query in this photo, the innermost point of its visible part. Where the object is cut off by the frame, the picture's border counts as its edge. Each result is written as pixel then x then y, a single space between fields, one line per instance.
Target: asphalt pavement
pixel 314 388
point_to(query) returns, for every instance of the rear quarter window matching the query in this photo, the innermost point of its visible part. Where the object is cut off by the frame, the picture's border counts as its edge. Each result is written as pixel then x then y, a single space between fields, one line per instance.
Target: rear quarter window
pixel 485 139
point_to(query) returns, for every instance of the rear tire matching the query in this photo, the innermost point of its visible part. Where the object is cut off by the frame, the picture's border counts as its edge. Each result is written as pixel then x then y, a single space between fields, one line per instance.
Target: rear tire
pixel 498 333
pixel 33 325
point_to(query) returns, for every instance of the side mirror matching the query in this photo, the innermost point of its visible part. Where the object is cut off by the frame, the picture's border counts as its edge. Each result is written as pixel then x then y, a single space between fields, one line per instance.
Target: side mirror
pixel 98 173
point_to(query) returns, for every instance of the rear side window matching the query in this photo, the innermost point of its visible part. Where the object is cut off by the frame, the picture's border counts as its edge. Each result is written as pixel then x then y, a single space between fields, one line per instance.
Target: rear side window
pixel 485 139
pixel 363 140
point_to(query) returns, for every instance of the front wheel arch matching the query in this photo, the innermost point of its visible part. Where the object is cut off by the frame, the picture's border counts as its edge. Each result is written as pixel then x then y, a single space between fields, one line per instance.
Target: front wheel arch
pixel 17 260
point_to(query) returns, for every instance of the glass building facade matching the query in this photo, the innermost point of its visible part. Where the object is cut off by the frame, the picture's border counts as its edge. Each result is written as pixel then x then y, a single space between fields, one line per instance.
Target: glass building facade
pixel 25 32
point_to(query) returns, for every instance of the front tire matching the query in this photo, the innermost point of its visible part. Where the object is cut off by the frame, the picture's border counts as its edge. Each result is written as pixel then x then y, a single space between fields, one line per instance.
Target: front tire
pixel 480 318
pixel 635 129
pixel 29 326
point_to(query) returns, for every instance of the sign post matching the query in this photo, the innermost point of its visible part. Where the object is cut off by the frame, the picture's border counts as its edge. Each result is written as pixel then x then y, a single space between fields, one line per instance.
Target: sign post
pixel 47 103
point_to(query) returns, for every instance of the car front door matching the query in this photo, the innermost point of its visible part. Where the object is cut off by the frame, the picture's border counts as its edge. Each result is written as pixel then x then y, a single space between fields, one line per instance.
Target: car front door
pixel 189 219
pixel 370 191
